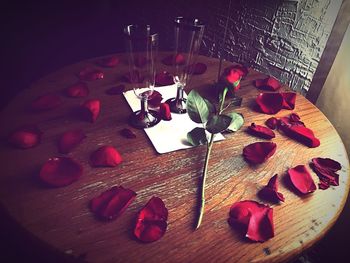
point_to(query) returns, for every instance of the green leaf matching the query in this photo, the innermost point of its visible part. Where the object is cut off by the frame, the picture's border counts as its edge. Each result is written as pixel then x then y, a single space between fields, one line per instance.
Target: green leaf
pixel 236 122
pixel 218 123
pixel 197 136
pixel 198 108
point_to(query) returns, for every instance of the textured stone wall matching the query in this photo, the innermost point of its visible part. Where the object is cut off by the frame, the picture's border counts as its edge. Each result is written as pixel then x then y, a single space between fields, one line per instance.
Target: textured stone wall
pixel 284 39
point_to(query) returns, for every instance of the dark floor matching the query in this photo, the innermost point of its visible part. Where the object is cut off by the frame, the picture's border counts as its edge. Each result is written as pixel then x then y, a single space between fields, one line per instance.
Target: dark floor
pixel 41 37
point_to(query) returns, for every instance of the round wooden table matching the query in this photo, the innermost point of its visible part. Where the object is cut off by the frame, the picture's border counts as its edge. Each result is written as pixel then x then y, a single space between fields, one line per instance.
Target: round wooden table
pixel 60 219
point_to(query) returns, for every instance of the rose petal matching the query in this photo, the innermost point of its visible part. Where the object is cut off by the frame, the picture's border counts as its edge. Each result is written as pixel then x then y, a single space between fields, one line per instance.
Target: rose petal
pixel 326 169
pixel 25 137
pixel 259 152
pixel 256 218
pixel 108 62
pixel 133 77
pixel 270 191
pixel 116 90
pixel 196 69
pixel 270 103
pixel 112 203
pixel 289 100
pixel 77 90
pixel 178 60
pixel 60 171
pixel 89 74
pixel 163 78
pixel 292 120
pixel 155 99
pixel 272 123
pixel 69 140
pixel 105 156
pixel 165 111
pixel 326 163
pixel 46 102
pixel 127 133
pixel 301 179
pixel 91 109
pixel 240 69
pixel 261 131
pixel 151 221
pixel 301 134
pixel 269 83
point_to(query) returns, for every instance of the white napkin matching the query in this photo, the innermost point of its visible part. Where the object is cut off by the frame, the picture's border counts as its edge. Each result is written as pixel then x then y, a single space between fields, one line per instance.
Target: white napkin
pixel 168 136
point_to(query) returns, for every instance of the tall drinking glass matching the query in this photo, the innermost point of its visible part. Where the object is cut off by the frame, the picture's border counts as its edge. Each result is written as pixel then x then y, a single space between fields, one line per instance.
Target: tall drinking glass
pixel 188 38
pixel 142 49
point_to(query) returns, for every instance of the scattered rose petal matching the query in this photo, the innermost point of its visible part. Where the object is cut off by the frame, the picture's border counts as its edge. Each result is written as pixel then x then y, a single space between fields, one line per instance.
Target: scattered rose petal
pixel 91 109
pixel 289 100
pixel 155 99
pixel 108 62
pixel 105 156
pixel 89 74
pixel 60 171
pixel 326 169
pixel 112 203
pixel 270 191
pixel 140 61
pixel 46 102
pixel 292 120
pixel 151 221
pixel 261 131
pixel 165 111
pixel 294 117
pixel 170 61
pixel 256 218
pixel 116 90
pixel 269 83
pixel 127 133
pixel 69 140
pixel 259 152
pixel 272 123
pixel 77 90
pixel 133 77
pixel 301 134
pixel 25 137
pixel 270 103
pixel 301 179
pixel 196 69
pixel 164 78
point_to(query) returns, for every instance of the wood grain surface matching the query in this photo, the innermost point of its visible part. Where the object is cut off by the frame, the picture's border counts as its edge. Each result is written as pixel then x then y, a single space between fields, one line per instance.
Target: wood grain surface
pixel 60 217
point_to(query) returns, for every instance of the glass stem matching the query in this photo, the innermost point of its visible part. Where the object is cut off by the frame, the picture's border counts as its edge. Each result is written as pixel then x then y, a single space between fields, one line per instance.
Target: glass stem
pixel 144 107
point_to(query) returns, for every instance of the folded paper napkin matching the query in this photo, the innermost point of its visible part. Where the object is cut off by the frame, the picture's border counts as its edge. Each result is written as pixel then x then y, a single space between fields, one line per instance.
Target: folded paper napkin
pixel 168 136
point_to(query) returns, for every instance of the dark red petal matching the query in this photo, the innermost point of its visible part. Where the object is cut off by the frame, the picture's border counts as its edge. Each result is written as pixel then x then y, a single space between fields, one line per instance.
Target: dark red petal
pixel 106 156
pixel 164 78
pixel 256 218
pixel 326 169
pixel 270 103
pixel 301 134
pixel 289 100
pixel 292 120
pixel 46 102
pixel 269 83
pixel 326 163
pixel 112 203
pixel 196 69
pixel 155 99
pixel 60 171
pixel 151 221
pixel 178 60
pixel 301 179
pixel 259 152
pixel 69 140
pixel 133 77
pixel 91 109
pixel 116 90
pixel 294 117
pixel 127 133
pixel 261 131
pixel 89 74
pixel 25 137
pixel 108 62
pixel 77 90
pixel 165 111
pixel 272 123
pixel 270 191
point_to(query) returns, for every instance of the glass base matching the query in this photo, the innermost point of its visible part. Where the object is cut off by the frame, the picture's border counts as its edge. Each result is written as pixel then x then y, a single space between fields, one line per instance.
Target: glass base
pixel 177 106
pixel 142 121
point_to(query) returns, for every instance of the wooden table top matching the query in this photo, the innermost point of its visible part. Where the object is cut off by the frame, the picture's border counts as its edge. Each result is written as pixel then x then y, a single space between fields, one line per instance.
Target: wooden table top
pixel 61 219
